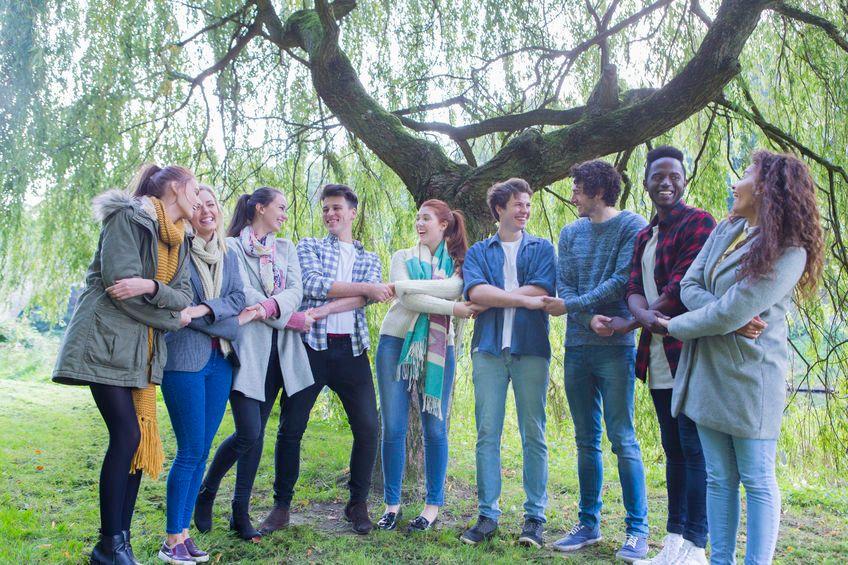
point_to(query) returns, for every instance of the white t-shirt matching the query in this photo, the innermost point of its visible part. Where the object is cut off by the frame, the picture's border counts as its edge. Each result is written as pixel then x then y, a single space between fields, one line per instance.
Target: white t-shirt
pixel 659 373
pixel 510 274
pixel 343 323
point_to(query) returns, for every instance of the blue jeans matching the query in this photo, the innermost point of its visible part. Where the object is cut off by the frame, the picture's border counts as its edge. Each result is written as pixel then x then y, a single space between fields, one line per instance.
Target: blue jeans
pixel 394 410
pixel 599 379
pixel 196 404
pixel 685 472
pixel 731 460
pixel 492 375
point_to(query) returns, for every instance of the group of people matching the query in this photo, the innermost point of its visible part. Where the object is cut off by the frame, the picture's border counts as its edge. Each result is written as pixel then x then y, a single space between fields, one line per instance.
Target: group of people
pixel 247 316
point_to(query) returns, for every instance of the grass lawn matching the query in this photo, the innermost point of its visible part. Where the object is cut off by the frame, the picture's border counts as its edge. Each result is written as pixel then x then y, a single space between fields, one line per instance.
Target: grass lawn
pixel 52 441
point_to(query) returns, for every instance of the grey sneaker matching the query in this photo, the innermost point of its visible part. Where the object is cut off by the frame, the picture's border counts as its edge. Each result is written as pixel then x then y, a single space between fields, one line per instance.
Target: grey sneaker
pixel 483 530
pixel 577 537
pixel 177 555
pixel 633 548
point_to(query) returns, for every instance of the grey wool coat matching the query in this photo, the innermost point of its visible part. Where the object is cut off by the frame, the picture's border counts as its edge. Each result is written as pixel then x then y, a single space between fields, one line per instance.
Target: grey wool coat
pixel 106 340
pixel 724 381
pixel 254 341
pixel 189 349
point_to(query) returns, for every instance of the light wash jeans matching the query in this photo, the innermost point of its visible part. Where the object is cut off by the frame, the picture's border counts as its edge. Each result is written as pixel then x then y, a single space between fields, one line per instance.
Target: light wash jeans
pixel 394 413
pixel 599 380
pixel 492 375
pixel 731 460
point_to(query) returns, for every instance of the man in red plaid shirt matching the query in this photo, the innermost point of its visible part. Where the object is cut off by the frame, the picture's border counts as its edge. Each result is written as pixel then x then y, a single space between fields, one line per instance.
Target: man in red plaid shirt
pixel 662 254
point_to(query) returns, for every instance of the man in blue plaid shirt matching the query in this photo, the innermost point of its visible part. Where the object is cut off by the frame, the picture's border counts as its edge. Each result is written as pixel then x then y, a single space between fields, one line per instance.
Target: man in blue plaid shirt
pixel 339 279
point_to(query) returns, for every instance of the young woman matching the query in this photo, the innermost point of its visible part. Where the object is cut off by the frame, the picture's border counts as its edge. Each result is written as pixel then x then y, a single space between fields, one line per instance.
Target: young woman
pixel 137 287
pixel 199 372
pixel 270 351
pixel 416 354
pixel 732 371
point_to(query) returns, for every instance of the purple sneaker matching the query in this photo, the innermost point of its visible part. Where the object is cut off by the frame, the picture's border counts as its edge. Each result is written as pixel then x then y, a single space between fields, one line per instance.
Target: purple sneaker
pixel 178 555
pixel 197 554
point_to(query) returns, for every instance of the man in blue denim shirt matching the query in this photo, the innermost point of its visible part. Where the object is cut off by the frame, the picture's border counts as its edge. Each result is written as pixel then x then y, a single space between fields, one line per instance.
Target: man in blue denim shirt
pixel 508 274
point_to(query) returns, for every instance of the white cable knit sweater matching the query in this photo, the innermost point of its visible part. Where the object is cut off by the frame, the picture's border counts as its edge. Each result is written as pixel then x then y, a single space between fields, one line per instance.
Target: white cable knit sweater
pixel 420 296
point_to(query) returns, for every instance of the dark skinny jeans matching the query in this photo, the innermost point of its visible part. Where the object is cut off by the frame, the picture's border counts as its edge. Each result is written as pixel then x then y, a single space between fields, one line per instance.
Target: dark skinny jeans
pixel 245 445
pixel 350 378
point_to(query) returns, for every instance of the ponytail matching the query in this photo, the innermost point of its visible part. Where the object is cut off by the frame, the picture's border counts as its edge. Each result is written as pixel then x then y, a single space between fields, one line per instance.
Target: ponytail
pixel 456 239
pixel 151 180
pixel 245 210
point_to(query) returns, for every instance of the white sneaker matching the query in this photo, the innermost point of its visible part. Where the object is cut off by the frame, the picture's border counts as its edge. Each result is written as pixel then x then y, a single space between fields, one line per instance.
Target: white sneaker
pixel 672 544
pixel 691 554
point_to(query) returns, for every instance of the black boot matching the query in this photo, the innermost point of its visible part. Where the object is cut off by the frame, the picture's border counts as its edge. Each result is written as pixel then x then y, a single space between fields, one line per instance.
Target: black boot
pixel 203 508
pixel 240 523
pixel 111 550
pixel 129 547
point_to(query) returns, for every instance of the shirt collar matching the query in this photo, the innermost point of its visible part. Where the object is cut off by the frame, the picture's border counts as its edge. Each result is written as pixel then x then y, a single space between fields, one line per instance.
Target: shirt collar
pixel 333 240
pixel 677 211
pixel 525 239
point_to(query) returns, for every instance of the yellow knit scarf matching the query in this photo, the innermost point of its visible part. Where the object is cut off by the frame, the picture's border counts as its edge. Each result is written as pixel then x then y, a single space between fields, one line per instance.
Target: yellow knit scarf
pixel 150 456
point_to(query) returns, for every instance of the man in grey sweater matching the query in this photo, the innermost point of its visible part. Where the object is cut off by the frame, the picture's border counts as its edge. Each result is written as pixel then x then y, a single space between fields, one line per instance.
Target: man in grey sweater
pixel 594 265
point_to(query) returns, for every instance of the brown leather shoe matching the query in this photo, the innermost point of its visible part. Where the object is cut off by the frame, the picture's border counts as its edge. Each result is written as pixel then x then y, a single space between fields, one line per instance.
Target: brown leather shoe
pixel 357 514
pixel 276 520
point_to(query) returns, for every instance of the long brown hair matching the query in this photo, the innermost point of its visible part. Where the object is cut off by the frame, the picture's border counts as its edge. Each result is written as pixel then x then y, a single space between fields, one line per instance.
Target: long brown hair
pixel 788 216
pixel 246 208
pixel 456 240
pixel 151 180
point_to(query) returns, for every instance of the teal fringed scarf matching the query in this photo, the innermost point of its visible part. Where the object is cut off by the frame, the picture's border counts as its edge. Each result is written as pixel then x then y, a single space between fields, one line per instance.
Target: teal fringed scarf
pixel 426 341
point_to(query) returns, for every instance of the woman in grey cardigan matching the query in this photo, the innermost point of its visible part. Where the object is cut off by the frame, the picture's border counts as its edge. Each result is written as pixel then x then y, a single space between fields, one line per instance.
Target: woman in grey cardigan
pixel 199 372
pixel 270 352
pixel 731 377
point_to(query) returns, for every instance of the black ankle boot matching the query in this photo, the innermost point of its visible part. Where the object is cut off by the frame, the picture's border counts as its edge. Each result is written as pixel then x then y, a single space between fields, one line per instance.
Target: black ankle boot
pixel 111 550
pixel 126 534
pixel 203 508
pixel 240 523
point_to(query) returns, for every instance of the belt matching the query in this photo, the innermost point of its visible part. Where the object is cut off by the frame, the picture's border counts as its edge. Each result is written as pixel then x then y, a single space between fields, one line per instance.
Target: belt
pixel 338 336
pixel 216 343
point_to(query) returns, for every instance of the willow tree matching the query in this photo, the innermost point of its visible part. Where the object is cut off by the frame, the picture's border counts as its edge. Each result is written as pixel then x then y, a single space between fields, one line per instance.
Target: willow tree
pixel 414 99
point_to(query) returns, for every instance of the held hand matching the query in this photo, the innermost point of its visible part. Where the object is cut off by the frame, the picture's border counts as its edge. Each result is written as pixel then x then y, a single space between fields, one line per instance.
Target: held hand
pixel 307 322
pixel 130 288
pixel 463 310
pixel 648 319
pixel 246 316
pixel 533 302
pixel 621 325
pixel 318 313
pixel 259 311
pixel 554 306
pixel 185 317
pixel 663 322
pixel 600 325
pixel 380 292
pixel 753 329
pixel 477 308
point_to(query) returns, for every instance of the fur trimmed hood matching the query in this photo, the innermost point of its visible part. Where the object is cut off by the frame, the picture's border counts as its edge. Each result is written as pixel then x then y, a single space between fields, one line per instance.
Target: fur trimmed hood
pixel 111 201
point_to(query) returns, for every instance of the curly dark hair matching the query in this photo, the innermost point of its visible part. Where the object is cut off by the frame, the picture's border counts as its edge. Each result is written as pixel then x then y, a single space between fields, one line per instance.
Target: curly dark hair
pixel 598 177
pixel 788 216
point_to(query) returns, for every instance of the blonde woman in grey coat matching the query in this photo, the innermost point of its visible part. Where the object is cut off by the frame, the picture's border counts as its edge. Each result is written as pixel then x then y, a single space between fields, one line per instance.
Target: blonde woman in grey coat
pixel 731 377
pixel 270 352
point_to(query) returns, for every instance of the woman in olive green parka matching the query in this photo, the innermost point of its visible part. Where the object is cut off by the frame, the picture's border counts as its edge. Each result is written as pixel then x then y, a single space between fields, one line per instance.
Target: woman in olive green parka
pixel 137 288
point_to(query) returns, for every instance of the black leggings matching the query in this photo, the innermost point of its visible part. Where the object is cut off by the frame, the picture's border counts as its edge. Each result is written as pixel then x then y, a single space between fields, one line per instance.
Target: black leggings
pixel 244 446
pixel 118 488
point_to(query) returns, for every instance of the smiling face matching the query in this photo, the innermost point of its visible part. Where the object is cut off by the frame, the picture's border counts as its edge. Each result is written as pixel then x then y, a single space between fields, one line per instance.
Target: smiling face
pixel 586 205
pixel 206 216
pixel 270 218
pixel 514 216
pixel 338 215
pixel 431 230
pixel 665 182
pixel 186 197
pixel 746 201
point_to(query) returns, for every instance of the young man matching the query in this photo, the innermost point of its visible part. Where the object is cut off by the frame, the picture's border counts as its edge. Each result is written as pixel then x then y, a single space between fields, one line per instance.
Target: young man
pixel 594 264
pixel 664 250
pixel 509 273
pixel 339 278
